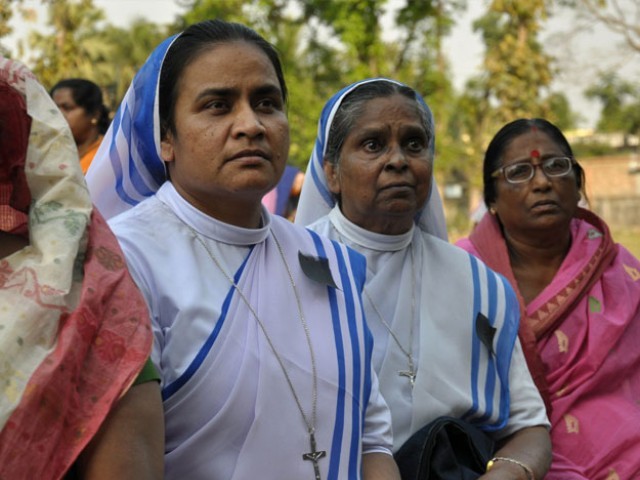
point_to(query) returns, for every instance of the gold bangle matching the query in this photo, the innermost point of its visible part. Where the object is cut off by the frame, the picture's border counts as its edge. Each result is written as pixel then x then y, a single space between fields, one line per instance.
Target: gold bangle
pixel 526 468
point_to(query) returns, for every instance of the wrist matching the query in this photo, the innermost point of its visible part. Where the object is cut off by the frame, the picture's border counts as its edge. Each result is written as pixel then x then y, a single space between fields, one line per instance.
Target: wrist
pixel 522 467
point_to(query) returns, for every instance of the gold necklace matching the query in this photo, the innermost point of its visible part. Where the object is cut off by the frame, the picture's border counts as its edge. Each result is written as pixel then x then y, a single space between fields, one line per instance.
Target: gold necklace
pixel 314 455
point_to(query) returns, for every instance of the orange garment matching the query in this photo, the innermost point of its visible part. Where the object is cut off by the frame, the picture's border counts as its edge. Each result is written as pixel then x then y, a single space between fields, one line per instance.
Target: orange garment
pixel 87 158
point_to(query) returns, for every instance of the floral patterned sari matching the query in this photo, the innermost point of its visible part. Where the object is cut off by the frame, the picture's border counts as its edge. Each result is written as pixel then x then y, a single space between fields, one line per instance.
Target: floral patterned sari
pixel 585 332
pixel 74 331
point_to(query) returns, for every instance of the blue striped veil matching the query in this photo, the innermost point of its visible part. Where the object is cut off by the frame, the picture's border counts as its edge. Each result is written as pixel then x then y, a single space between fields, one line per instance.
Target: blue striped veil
pixel 317 201
pixel 127 167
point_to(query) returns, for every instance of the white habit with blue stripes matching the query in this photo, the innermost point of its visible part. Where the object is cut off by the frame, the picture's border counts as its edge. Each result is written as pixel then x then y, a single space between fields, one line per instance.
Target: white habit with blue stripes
pixel 457 376
pixel 228 409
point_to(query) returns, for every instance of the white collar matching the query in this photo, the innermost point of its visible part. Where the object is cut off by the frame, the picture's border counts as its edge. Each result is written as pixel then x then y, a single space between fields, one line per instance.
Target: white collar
pixel 211 227
pixel 364 238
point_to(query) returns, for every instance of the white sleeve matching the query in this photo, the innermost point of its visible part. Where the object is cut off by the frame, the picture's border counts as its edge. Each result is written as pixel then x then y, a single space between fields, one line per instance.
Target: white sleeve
pixel 526 408
pixel 377 436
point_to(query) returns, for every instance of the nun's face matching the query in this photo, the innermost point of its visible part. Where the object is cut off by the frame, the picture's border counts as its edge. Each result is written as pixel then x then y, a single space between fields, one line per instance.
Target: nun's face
pixel 231 136
pixel 383 175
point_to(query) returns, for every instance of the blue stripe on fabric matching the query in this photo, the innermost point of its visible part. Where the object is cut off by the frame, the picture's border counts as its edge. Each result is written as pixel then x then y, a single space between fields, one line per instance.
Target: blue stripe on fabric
pixel 490 380
pixel 136 117
pixel 357 366
pixel 326 194
pixel 359 269
pixel 504 348
pixel 475 343
pixel 143 124
pixel 173 387
pixel 114 156
pixel 336 443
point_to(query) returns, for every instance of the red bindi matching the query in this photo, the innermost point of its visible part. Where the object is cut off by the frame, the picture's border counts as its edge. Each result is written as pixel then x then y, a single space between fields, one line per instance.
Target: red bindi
pixel 534 154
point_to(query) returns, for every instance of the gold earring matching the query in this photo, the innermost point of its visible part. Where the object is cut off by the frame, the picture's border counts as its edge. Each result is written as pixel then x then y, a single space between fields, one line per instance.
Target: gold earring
pixel 492 211
pixel 94 121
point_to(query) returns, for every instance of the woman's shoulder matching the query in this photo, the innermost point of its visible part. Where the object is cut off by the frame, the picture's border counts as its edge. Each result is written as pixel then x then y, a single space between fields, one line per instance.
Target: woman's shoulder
pixel 446 248
pixel 318 242
pixel 322 226
pixel 145 214
pixel 458 263
pixel 319 234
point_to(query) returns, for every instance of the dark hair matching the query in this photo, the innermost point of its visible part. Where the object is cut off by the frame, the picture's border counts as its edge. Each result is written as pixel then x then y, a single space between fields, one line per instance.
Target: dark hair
pixel 192 42
pixel 351 109
pixel 502 139
pixel 88 96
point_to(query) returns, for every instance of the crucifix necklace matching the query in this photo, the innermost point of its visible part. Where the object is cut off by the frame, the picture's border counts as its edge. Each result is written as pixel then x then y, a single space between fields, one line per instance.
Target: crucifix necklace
pixel 411 372
pixel 314 455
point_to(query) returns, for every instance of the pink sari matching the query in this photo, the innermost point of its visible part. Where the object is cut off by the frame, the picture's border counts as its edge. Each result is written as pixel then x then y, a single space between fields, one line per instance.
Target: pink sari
pixel 583 337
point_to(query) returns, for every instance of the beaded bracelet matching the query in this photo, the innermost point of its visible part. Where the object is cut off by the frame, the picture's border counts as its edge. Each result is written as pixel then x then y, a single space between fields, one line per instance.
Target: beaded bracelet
pixel 526 468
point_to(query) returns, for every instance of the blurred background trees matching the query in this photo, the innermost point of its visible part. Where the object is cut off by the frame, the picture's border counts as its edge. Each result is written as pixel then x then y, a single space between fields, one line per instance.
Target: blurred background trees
pixel 327 44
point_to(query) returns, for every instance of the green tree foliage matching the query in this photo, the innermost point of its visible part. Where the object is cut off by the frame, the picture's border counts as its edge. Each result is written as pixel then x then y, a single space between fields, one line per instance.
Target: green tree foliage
pixel 80 43
pixel 559 111
pixel 75 48
pixel 518 72
pixel 620 104
pixel 129 48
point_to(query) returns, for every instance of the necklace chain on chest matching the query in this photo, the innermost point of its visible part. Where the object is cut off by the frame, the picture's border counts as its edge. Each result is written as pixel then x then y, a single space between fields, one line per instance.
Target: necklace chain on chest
pixel 408 352
pixel 310 421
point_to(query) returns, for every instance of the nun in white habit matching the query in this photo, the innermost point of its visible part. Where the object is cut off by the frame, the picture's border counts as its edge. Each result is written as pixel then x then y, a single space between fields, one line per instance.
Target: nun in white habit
pixel 265 364
pixel 444 325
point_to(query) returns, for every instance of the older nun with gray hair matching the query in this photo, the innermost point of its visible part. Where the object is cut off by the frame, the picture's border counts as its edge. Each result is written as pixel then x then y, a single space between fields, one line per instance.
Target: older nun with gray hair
pixel 444 325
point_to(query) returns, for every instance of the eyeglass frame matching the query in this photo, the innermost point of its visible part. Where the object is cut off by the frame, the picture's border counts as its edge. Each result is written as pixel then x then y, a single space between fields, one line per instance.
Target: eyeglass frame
pixel 572 162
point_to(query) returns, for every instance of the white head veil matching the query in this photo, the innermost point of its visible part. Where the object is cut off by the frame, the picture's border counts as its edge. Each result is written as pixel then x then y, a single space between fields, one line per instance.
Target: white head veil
pixel 317 201
pixel 127 167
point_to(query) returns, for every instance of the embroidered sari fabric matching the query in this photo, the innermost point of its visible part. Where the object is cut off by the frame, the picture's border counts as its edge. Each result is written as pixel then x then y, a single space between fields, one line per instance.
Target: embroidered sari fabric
pixel 586 329
pixel 74 331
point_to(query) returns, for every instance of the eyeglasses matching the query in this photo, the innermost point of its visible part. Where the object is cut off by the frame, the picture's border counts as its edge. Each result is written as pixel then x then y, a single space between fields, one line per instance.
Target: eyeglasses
pixel 522 172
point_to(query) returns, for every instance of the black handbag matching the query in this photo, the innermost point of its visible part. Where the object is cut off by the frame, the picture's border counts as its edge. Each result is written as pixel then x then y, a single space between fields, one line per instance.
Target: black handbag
pixel 445 449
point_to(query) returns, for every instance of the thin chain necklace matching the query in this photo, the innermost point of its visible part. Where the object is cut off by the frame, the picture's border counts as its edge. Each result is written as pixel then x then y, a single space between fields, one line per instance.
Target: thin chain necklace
pixel 314 455
pixel 412 371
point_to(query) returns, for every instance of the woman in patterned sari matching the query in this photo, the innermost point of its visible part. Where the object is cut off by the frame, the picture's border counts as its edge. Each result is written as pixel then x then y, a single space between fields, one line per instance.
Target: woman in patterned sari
pixel 579 296
pixel 74 331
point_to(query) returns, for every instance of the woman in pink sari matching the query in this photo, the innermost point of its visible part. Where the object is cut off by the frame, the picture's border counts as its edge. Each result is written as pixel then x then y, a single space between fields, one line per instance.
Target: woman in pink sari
pixel 579 295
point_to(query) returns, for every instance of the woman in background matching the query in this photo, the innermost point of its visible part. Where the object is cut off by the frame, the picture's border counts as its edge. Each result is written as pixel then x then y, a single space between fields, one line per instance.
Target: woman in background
pixel 80 101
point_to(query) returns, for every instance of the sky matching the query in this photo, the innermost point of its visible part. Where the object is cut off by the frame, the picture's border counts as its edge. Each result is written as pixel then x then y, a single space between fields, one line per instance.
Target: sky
pixel 580 56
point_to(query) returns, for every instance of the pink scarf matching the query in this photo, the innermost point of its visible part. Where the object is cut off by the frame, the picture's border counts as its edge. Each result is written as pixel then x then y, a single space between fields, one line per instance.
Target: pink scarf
pixel 581 336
